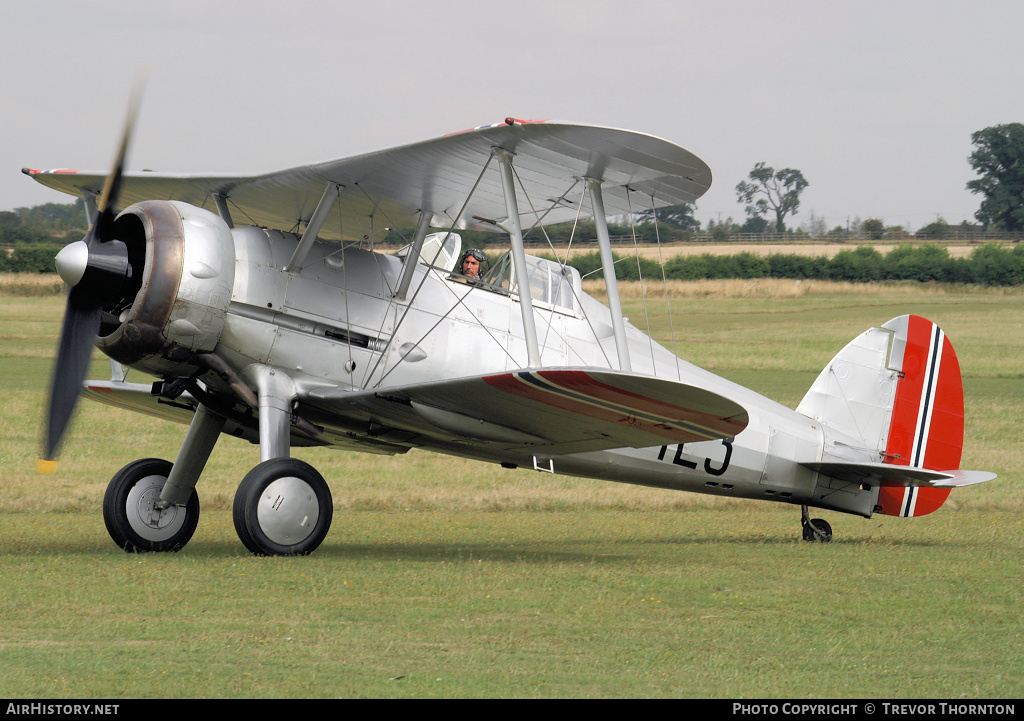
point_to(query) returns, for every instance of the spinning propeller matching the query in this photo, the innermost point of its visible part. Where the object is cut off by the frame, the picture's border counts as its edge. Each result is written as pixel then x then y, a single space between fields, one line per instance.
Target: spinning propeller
pixel 96 270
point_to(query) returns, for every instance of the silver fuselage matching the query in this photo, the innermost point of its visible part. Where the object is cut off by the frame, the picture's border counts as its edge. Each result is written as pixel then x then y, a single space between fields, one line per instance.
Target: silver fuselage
pixel 337 321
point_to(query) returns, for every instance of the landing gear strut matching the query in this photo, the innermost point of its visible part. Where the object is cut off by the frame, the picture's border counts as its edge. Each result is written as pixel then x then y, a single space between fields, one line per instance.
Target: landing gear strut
pixel 815 529
pixel 134 516
pixel 283 506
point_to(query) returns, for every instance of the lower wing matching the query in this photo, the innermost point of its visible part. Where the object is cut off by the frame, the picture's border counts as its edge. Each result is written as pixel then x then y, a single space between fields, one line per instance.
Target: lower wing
pixel 552 411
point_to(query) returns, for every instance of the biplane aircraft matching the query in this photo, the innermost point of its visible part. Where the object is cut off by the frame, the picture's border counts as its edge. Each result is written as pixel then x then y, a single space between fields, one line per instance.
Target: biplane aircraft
pixel 264 311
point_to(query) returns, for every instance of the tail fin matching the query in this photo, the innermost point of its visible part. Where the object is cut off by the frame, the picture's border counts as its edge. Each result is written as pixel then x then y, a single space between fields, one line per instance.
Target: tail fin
pixel 898 389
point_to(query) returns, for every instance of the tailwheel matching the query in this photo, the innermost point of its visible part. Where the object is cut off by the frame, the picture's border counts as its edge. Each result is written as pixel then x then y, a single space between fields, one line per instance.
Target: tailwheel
pixel 283 507
pixel 135 519
pixel 815 529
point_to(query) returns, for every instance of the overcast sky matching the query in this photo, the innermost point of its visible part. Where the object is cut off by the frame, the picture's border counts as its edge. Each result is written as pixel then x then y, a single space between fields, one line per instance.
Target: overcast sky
pixel 874 102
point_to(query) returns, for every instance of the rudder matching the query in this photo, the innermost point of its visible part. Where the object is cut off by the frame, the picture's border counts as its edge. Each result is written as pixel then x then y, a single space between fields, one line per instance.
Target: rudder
pixel 898 390
pixel 927 425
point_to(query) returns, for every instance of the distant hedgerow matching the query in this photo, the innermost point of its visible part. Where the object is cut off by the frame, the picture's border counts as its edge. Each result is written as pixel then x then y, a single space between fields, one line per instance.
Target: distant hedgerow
pixel 989 264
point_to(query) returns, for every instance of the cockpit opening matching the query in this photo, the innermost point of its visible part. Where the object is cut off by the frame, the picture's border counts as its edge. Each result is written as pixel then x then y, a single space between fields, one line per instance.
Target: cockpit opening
pixel 551 285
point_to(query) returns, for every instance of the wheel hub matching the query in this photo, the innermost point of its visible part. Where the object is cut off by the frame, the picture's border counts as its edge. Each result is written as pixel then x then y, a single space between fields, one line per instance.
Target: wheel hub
pixel 288 510
pixel 146 517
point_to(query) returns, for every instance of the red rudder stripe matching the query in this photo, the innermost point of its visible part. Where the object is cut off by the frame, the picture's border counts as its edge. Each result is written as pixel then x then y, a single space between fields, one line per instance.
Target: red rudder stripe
pixel 927 425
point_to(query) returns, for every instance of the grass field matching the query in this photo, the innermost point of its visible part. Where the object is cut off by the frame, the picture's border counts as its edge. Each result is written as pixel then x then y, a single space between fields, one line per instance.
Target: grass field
pixel 448 578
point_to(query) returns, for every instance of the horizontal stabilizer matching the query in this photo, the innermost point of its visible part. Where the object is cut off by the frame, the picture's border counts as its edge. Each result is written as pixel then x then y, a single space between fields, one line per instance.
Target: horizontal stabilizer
pixel 553 410
pixel 890 476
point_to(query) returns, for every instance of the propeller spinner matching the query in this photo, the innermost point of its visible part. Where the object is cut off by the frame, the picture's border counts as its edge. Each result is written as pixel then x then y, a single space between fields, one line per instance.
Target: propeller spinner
pixel 96 270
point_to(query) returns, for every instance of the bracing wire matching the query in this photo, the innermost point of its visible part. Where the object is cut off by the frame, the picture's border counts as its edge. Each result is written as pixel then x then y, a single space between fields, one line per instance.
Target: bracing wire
pixel 640 275
pixel 664 283
pixel 423 279
pixel 568 250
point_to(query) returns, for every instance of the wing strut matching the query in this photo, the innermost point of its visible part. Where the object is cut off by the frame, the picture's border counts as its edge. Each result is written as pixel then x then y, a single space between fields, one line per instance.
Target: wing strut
pixel 608 264
pixel 91 211
pixel 413 256
pixel 223 210
pixel 316 222
pixel 515 232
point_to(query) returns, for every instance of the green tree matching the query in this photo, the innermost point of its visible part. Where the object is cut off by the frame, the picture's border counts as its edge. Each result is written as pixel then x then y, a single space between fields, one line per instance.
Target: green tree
pixel 678 216
pixel 772 190
pixel 754 224
pixel 873 228
pixel 939 229
pixel 998 158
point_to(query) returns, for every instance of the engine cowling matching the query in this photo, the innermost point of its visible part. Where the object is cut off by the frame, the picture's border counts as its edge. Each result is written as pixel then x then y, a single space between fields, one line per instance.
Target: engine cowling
pixel 176 307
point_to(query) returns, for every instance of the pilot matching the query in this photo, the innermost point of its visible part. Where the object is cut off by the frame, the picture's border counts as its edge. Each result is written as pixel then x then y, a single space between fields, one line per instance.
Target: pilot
pixel 472 263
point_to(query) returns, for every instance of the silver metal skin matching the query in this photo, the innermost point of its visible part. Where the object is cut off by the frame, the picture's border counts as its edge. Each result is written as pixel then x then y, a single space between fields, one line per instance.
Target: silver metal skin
pixel 276 322
pixel 276 395
pixel 181 305
pixel 313 226
pixel 71 262
pixel 195 451
pixel 413 256
pixel 288 510
pixel 221 201
pixel 608 266
pixel 149 518
pixel 91 211
pixel 518 256
pixel 290 340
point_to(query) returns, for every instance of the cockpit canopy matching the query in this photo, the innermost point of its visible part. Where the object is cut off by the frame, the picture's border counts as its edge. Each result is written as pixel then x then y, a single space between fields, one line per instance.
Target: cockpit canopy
pixel 439 250
pixel 551 285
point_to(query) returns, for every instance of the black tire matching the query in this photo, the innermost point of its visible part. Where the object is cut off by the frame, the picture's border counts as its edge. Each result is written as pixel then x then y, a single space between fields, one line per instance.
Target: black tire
pixel 818 530
pixel 129 514
pixel 283 507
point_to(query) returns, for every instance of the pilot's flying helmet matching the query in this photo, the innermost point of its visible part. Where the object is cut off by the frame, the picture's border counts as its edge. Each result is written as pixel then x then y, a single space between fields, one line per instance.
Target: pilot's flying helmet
pixel 480 257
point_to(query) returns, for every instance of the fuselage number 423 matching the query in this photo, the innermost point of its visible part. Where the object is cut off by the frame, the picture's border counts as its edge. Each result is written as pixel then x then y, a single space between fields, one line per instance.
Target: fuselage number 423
pixel 708 467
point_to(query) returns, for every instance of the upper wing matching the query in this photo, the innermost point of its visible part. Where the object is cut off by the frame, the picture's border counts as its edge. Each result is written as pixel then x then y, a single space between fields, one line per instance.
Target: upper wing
pixel 437 176
pixel 552 411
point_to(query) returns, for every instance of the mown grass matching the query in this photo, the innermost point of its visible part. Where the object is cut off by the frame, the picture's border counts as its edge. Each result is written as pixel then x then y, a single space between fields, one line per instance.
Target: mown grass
pixel 644 603
pixel 448 578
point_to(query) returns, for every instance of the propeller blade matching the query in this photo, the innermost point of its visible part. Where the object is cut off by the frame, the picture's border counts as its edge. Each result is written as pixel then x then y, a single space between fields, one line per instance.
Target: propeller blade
pixel 99 265
pixel 74 352
pixel 107 204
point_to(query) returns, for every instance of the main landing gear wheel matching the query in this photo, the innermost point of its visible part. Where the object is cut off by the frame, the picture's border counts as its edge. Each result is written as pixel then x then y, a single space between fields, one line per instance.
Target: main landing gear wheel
pixel 283 507
pixel 131 514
